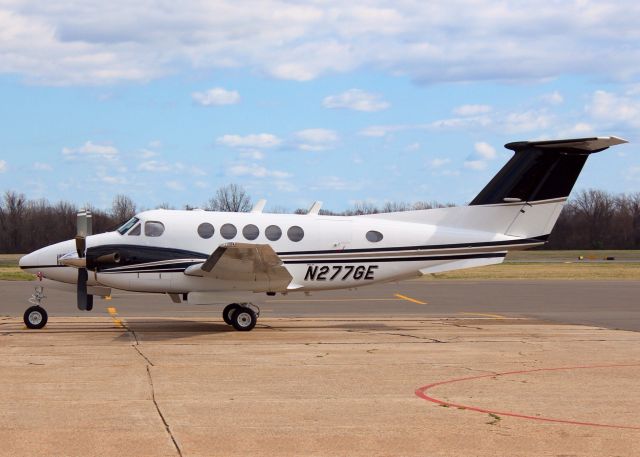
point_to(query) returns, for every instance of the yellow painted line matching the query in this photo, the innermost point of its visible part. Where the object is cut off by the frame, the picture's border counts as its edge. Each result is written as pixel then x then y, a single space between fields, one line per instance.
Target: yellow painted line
pixel 331 300
pixel 114 315
pixel 495 316
pixel 413 300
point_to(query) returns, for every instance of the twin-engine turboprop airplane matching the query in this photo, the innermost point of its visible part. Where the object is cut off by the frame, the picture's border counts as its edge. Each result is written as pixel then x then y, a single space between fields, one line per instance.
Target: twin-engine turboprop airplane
pixel 196 255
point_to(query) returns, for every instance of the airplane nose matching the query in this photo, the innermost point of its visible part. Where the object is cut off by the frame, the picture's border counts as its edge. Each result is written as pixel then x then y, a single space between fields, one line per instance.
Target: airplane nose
pixel 29 260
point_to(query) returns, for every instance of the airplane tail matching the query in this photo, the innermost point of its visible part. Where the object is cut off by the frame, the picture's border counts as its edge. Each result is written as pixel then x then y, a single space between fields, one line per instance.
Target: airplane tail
pixel 525 197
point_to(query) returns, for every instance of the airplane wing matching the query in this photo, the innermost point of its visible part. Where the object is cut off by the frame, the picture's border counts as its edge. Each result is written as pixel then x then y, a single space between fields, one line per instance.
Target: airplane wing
pixel 245 262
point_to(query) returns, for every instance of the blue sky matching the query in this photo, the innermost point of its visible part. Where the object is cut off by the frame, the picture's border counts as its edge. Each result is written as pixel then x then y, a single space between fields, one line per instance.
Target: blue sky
pixel 371 101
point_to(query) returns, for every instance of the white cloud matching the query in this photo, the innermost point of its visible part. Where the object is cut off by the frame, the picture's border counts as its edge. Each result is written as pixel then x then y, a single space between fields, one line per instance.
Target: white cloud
pixel 316 139
pixel 41 166
pixel 155 166
pixel 477 165
pixel 113 179
pixel 554 98
pixel 253 154
pixel 3 166
pixel 527 121
pixel 175 185
pixel 614 108
pixel 471 110
pixel 485 150
pixel 257 171
pixel 356 99
pixel 255 140
pixel 216 97
pixel 96 42
pixel 439 162
pixel 147 153
pixel 90 149
pixel 413 147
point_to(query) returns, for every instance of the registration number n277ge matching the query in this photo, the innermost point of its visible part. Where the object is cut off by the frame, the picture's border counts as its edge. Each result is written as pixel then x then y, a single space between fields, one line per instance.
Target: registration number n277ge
pixel 340 272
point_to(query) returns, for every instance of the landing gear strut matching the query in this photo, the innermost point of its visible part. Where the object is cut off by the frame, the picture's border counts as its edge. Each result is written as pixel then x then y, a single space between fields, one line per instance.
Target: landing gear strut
pixel 35 317
pixel 242 316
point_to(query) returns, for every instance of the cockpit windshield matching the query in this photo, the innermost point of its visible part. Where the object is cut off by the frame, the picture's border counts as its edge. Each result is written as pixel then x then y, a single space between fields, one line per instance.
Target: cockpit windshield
pixel 127 225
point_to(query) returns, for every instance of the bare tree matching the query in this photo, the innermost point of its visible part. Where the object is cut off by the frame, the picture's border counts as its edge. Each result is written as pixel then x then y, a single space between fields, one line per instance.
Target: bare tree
pixel 123 208
pixel 230 198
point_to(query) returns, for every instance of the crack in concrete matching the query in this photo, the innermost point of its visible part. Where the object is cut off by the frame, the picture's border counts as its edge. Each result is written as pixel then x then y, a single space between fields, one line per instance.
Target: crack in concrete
pixel 164 421
pixel 406 335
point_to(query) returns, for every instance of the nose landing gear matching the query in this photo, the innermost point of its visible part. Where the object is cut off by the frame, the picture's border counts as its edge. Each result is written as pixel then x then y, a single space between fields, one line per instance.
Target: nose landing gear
pixel 242 316
pixel 35 317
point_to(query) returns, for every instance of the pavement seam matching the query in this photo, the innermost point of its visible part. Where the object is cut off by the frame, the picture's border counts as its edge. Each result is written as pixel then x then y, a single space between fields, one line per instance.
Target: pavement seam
pixel 164 421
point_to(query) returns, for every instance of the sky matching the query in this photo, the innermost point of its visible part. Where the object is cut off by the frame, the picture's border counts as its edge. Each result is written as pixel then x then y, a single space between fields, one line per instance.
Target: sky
pixel 336 101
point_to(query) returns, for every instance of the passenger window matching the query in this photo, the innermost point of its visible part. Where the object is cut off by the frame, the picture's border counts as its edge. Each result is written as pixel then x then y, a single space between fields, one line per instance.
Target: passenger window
pixel 228 231
pixel 295 233
pixel 206 230
pixel 135 231
pixel 250 232
pixel 374 236
pixel 273 233
pixel 153 228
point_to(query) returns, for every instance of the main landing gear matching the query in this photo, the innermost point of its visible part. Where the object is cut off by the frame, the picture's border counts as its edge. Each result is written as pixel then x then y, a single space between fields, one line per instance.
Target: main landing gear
pixel 35 317
pixel 243 316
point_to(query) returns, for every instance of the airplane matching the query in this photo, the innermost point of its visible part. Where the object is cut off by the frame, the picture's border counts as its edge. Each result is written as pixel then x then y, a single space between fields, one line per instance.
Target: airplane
pixel 195 255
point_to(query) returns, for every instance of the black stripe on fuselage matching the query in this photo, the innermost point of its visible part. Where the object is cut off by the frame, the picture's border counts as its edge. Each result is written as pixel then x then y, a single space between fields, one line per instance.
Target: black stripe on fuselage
pixel 402 259
pixel 539 239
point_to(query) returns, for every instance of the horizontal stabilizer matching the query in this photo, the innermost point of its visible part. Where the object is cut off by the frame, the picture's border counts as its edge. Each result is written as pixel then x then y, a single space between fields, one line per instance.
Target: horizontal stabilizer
pixel 587 145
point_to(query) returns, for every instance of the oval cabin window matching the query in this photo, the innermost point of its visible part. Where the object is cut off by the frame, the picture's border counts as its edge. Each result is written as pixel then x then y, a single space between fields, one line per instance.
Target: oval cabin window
pixel 250 232
pixel 273 233
pixel 205 230
pixel 295 233
pixel 374 236
pixel 228 231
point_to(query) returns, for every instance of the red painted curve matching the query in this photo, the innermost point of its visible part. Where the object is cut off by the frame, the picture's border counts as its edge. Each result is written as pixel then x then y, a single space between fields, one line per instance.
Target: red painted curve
pixel 422 393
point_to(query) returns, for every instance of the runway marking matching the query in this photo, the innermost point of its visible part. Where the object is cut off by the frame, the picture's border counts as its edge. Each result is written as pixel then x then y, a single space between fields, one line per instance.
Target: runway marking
pixel 329 300
pixel 422 393
pixel 495 316
pixel 114 315
pixel 413 300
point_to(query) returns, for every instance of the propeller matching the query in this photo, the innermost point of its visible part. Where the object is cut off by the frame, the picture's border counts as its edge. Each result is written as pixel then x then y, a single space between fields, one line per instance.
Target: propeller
pixel 85 301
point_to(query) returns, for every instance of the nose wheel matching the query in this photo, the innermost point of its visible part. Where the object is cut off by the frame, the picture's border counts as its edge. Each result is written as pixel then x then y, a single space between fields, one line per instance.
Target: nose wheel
pixel 242 316
pixel 35 317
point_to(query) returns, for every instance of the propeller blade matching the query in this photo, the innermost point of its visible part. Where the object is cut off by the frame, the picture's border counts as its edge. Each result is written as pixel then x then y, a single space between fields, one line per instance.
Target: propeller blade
pixel 81 246
pixel 83 298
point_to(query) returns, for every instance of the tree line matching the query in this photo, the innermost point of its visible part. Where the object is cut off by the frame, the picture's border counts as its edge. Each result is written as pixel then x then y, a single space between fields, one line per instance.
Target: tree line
pixel 592 219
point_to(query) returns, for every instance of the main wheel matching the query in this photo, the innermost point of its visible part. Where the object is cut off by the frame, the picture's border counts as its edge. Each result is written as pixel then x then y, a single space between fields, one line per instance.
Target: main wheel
pixel 228 312
pixel 35 317
pixel 244 319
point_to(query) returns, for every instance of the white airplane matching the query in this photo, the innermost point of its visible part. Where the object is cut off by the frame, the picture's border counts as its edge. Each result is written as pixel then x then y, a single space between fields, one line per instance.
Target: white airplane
pixel 197 255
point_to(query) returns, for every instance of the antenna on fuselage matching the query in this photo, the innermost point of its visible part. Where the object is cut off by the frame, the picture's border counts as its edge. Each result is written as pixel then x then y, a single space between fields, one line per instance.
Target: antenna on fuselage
pixel 259 206
pixel 315 209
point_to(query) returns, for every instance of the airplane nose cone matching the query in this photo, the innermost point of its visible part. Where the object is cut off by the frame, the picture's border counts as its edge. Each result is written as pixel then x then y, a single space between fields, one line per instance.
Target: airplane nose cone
pixel 29 260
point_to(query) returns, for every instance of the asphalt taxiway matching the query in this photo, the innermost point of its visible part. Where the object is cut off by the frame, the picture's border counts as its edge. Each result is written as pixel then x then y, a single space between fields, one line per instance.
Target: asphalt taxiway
pixel 439 368
pixel 610 304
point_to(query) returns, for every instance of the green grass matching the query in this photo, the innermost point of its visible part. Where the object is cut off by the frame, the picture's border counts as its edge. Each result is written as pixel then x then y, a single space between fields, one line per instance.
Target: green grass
pixel 9 270
pixel 559 256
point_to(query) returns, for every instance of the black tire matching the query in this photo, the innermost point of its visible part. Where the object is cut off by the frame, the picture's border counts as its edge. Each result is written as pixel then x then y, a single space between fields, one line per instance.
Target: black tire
pixel 244 319
pixel 35 317
pixel 228 311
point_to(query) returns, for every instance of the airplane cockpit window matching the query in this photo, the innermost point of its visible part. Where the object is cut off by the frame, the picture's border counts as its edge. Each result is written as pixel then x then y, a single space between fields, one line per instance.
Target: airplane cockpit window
pixel 153 228
pixel 374 236
pixel 228 231
pixel 273 233
pixel 250 232
pixel 127 225
pixel 135 231
pixel 206 230
pixel 295 233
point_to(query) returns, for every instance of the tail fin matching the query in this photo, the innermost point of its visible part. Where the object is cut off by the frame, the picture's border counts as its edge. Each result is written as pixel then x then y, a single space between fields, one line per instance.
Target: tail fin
pixel 525 198
pixel 541 170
